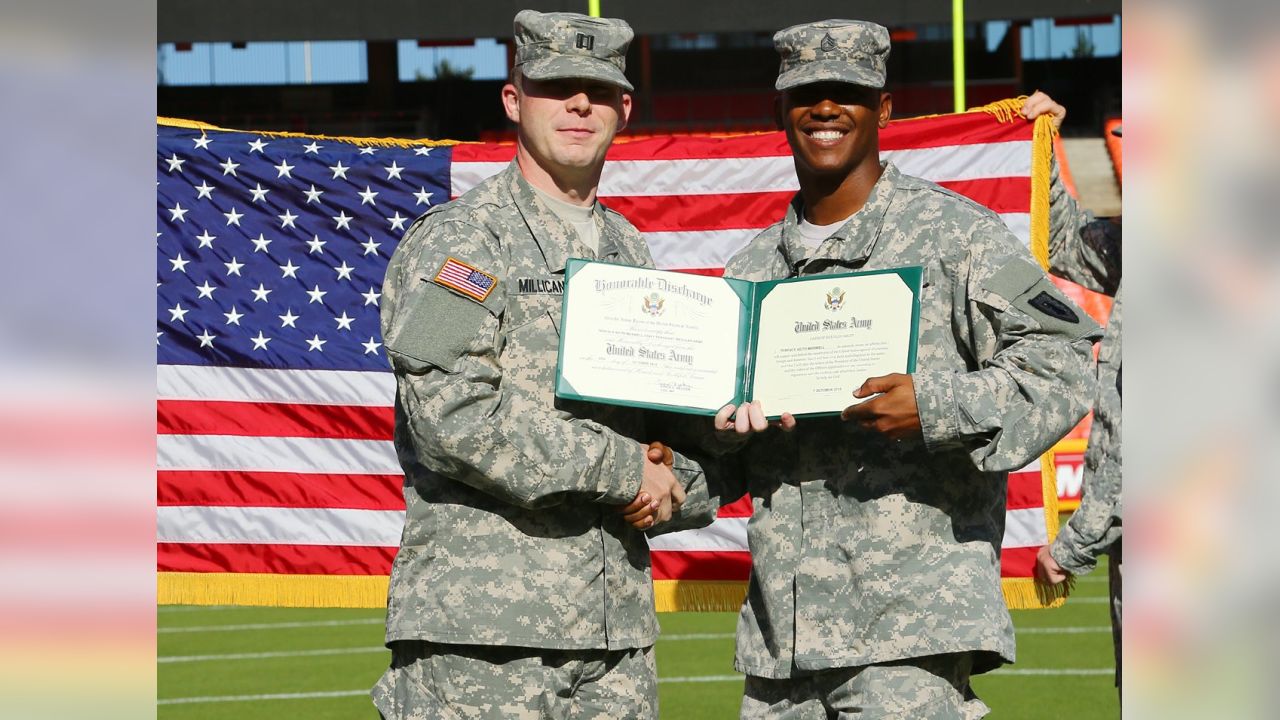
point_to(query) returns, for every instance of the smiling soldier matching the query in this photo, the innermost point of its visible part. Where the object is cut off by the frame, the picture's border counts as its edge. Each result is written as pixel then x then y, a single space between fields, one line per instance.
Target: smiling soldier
pixel 875 539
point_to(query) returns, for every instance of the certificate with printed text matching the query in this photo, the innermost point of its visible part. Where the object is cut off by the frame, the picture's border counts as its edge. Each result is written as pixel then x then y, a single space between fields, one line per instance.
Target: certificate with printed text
pixel 692 343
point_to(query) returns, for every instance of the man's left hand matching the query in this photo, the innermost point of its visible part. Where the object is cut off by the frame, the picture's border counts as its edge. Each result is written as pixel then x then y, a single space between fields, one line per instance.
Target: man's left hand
pixel 893 413
pixel 1041 104
pixel 749 419
pixel 1048 570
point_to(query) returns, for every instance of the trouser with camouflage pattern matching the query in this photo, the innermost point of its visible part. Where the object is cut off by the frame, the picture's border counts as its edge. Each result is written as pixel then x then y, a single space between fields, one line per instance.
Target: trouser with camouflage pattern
pixel 928 688
pixel 435 681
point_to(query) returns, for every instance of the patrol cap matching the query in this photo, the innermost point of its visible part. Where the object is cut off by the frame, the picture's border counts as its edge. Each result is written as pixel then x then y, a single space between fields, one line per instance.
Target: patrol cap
pixel 551 46
pixel 852 51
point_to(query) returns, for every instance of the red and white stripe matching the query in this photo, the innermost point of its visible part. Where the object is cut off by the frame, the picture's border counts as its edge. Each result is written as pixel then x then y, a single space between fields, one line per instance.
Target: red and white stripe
pixel 293 471
pixel 699 200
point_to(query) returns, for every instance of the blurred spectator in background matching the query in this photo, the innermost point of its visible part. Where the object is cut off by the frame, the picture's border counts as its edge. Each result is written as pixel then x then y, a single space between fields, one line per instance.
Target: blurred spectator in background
pixel 1086 250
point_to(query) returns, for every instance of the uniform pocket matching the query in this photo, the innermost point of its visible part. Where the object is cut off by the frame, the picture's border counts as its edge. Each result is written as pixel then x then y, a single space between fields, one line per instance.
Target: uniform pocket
pixel 529 352
pixel 912 689
pixel 1022 288
pixel 435 327
pixel 407 690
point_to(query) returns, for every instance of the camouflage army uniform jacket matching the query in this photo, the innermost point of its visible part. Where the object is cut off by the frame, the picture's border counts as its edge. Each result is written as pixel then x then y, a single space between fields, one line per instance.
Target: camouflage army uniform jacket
pixel 1086 251
pixel 865 550
pixel 511 535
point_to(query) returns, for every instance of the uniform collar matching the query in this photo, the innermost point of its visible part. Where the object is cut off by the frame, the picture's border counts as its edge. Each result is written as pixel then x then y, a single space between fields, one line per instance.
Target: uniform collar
pixel 616 244
pixel 853 242
pixel 556 239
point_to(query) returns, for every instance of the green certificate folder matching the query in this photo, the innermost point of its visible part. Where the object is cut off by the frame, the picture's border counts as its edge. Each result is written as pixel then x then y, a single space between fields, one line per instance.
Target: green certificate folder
pixel 692 343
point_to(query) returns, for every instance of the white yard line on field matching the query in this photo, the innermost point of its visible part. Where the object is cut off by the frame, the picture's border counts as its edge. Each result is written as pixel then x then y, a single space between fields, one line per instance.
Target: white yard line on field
pixel 1053 672
pixel 255 698
pixel 370 621
pixel 696 636
pixel 270 626
pixel 163 659
pixel 340 651
pixel 1064 630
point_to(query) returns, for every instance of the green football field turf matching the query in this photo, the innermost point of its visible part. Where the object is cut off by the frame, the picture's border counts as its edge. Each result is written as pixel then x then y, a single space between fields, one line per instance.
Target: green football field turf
pixel 248 663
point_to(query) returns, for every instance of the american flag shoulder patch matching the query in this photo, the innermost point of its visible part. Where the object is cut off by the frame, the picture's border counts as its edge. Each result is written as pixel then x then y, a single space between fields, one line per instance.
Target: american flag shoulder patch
pixel 466 279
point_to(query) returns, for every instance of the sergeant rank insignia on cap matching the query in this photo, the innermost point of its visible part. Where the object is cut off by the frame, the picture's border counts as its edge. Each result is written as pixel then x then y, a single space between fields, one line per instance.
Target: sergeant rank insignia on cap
pixel 466 279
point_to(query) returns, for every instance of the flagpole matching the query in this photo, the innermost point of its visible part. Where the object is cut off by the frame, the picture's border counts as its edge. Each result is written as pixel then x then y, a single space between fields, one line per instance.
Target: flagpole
pixel 593 8
pixel 957 51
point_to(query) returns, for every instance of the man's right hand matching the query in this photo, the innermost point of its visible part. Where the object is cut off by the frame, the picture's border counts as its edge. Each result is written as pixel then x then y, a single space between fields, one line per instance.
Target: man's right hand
pixel 660 493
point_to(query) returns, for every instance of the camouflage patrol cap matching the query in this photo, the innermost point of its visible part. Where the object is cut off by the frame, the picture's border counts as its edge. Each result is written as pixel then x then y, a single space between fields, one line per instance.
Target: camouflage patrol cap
pixel 550 46
pixel 852 51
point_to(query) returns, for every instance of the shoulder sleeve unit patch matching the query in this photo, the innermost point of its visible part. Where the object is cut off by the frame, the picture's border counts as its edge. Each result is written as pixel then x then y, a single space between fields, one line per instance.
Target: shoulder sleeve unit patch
pixel 466 279
pixel 1050 305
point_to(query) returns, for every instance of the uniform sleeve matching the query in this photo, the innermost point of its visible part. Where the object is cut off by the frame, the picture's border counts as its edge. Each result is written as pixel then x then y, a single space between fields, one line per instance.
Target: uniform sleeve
pixel 459 416
pixel 1092 530
pixel 1031 347
pixel 1083 249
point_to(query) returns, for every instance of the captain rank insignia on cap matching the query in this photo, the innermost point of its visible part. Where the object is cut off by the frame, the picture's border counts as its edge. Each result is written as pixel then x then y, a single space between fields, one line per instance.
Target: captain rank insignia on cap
pixel 558 45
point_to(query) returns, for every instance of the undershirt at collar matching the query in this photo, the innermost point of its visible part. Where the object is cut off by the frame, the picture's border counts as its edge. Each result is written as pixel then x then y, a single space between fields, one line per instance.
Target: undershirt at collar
pixel 813 235
pixel 578 217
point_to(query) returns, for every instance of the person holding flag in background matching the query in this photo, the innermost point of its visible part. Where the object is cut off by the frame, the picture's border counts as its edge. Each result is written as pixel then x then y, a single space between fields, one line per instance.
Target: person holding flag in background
pixel 1087 250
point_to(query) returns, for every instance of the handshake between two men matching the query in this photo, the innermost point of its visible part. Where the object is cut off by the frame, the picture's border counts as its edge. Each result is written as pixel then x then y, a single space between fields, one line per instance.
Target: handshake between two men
pixel 886 404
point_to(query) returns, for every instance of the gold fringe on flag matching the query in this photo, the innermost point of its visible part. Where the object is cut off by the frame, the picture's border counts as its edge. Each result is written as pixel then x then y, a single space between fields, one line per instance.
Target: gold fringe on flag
pixel 347 591
pixel 698 595
pixel 1041 155
pixel 359 141
pixel 1006 110
pixel 1026 593
pixel 1049 485
pixel 370 591
pixel 1009 110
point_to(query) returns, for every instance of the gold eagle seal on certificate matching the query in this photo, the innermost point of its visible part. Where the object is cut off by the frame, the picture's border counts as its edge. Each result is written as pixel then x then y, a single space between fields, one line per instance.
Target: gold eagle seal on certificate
pixel 652 304
pixel 835 299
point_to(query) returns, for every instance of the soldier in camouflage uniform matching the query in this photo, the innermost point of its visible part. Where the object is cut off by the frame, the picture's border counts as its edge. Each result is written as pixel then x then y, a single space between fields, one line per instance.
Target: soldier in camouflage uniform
pixel 1086 250
pixel 522 588
pixel 875 539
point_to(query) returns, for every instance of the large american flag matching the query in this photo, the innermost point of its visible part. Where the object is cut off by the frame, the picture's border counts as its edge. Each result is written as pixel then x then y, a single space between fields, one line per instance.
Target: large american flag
pixel 277 480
